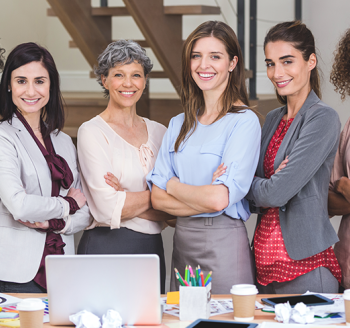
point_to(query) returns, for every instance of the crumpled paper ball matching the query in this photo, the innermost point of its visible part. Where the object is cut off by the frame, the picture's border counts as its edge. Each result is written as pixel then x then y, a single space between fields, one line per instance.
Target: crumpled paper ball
pixel 85 319
pixel 299 314
pixel 302 314
pixel 111 319
pixel 283 312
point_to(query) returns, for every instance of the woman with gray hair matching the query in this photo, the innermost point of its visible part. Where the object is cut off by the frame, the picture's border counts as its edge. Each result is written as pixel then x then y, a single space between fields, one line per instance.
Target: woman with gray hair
pixel 116 150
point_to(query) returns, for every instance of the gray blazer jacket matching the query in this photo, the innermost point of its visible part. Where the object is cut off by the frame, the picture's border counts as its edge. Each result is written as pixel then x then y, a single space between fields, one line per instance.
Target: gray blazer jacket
pixel 25 194
pixel 300 190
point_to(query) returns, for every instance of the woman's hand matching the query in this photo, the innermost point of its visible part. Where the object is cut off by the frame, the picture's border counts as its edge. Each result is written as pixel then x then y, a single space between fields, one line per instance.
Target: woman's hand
pixel 219 172
pixel 36 225
pixel 78 196
pixel 171 182
pixel 113 181
pixel 341 184
pixel 171 223
pixel 282 165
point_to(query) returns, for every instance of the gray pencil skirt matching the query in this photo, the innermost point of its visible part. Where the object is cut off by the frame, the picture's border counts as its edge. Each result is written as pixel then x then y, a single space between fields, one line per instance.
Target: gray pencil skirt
pixel 219 244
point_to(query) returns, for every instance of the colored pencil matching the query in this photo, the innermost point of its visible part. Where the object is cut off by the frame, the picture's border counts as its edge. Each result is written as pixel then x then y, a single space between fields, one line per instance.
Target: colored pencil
pixel 207 277
pixel 186 273
pixel 184 283
pixel 191 271
pixel 180 280
pixel 202 278
pixel 197 274
pixel 193 280
pixel 200 282
pixel 208 281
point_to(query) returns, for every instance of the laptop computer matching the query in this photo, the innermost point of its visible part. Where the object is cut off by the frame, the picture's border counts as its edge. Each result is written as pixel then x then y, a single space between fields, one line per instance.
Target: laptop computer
pixel 129 284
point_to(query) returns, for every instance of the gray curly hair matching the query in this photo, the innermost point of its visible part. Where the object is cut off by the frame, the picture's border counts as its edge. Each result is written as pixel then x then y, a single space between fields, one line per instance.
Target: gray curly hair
pixel 121 52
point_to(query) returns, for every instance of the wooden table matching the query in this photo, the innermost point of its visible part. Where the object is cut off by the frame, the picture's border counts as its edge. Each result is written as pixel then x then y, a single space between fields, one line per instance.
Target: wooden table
pixel 170 321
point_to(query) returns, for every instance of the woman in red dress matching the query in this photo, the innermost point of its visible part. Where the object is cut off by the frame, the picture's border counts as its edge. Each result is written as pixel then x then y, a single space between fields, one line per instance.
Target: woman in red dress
pixel 293 240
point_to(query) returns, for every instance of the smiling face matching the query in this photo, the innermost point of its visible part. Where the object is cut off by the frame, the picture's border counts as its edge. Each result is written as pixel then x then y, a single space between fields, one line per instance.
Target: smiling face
pixel 30 87
pixel 125 84
pixel 211 65
pixel 287 69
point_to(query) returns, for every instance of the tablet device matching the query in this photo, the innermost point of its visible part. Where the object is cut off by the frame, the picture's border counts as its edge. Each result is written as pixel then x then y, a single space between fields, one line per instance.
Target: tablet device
pixel 201 323
pixel 309 300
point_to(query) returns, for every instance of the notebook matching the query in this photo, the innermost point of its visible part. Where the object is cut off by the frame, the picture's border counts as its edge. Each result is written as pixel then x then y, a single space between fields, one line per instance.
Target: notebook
pixel 129 284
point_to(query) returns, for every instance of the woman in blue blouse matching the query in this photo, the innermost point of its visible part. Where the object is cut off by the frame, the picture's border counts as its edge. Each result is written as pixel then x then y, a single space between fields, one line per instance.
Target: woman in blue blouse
pixel 207 161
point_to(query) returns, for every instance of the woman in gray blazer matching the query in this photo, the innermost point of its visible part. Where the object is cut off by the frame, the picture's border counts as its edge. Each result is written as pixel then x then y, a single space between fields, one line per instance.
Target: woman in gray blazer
pixel 294 237
pixel 40 197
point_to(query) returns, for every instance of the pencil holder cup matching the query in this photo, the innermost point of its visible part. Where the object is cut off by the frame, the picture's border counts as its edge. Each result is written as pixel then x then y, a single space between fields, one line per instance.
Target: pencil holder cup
pixel 195 302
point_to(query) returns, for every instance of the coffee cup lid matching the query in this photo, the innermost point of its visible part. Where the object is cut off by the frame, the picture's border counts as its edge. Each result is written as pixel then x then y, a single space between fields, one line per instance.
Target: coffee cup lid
pixel 31 304
pixel 346 294
pixel 244 289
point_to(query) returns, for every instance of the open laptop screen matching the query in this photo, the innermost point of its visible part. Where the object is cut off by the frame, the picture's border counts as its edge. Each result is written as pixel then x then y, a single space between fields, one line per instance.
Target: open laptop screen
pixel 128 284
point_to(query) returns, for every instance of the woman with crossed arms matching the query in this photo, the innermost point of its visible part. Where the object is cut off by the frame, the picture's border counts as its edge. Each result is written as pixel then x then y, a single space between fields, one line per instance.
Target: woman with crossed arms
pixel 116 150
pixel 207 160
pixel 41 205
pixel 339 188
pixel 294 237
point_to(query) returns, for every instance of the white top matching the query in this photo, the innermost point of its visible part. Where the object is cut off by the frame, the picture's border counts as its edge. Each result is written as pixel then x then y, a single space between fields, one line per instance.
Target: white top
pixel 102 150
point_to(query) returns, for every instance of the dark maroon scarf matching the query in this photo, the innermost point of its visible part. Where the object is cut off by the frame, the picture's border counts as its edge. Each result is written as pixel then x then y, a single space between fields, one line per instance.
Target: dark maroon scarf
pixel 61 175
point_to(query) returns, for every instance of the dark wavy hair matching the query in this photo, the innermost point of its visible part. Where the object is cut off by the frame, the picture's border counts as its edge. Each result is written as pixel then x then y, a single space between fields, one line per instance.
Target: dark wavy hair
pixel 192 98
pixel 340 75
pixel 302 39
pixel 25 53
pixel 2 51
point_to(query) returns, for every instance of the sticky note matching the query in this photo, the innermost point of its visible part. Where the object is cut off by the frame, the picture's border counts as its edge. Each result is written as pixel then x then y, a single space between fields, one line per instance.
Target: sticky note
pixel 8 315
pixel 173 298
pixel 10 323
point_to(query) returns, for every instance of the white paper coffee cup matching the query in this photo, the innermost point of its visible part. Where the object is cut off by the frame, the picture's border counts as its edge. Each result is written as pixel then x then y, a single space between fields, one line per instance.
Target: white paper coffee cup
pixel 31 313
pixel 243 299
pixel 346 297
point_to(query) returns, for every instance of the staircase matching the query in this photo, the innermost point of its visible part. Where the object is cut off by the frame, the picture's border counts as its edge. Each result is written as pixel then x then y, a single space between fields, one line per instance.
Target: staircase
pixel 161 26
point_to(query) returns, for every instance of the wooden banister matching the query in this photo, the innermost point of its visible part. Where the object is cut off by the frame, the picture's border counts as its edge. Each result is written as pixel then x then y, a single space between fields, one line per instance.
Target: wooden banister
pixel 192 10
pixel 168 10
pixel 163 33
pixel 91 34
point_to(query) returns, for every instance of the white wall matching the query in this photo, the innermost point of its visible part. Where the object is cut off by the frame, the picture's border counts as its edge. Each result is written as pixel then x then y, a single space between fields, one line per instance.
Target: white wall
pixel 328 20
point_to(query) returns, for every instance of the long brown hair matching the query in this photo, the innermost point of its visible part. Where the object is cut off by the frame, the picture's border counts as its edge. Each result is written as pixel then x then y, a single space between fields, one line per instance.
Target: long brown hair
pixel 192 96
pixel 302 39
pixel 340 75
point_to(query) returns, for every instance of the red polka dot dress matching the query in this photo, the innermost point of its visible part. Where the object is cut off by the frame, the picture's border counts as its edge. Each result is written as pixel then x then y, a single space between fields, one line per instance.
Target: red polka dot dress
pixel 272 260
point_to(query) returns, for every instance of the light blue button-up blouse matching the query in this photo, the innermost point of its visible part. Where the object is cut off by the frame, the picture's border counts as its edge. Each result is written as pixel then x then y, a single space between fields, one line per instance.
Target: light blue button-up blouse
pixel 233 140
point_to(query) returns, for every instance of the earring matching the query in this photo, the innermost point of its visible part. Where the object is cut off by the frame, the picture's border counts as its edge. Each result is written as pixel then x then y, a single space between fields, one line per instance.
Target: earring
pixel 231 70
pixel 9 90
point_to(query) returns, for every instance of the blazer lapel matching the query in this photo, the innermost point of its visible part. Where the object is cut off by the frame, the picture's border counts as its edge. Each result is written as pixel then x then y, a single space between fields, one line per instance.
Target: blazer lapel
pixel 310 100
pixel 36 156
pixel 268 132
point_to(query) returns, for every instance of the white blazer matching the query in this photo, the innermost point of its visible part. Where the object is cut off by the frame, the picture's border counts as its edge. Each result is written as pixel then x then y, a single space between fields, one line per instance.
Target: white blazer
pixel 25 194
